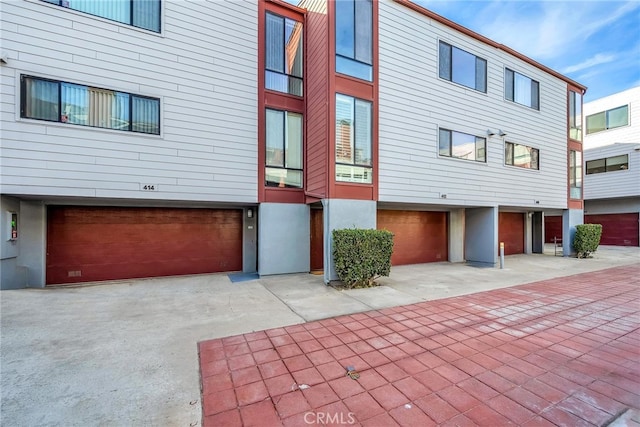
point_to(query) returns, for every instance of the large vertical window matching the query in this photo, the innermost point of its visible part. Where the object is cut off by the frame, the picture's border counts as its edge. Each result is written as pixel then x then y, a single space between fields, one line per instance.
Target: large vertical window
pixel 353 140
pixel 283 55
pixel 609 119
pixel 284 149
pixel 461 145
pixel 522 156
pixel 138 13
pixel 56 101
pixel 575 174
pixel 575 115
pixel 521 89
pixel 459 66
pixel 354 38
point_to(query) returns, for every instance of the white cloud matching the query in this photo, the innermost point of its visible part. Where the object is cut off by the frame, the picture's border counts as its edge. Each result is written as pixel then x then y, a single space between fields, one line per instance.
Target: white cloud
pixel 598 59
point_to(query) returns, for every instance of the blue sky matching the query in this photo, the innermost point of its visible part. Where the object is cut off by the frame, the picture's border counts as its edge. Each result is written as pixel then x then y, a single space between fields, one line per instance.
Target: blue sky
pixel 596 43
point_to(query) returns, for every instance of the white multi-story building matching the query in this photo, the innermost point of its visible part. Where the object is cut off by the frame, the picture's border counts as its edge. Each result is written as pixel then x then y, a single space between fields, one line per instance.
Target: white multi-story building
pixel 159 138
pixel 612 166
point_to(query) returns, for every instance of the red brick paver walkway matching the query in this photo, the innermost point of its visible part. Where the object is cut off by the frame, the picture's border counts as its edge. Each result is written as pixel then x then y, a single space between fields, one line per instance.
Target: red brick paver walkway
pixel 564 351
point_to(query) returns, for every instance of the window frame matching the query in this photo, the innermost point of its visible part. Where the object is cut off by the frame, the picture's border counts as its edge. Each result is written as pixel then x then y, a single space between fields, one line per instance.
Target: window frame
pixel 623 166
pixel 451 146
pixel 511 96
pixel 513 164
pixel 575 116
pixel 355 163
pixel 342 61
pixel 61 3
pixel 285 117
pixel 575 174
pixel 60 101
pixel 606 119
pixel 450 70
pixel 284 44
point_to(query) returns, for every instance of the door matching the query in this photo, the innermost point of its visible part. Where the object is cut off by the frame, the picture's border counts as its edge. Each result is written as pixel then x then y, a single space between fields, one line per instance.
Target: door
pixel 106 243
pixel 419 237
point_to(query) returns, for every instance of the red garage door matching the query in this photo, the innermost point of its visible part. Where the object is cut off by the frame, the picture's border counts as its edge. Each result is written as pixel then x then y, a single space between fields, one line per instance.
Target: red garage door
pixel 617 229
pixel 419 236
pixel 511 232
pixel 552 228
pixel 94 243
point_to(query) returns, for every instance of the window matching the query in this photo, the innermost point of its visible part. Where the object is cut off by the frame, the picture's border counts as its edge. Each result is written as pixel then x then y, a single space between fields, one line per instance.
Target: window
pixel 354 38
pixel 521 89
pixel 463 68
pixel 353 140
pixel 575 174
pixel 138 13
pixel 56 101
pixel 609 119
pixel 610 164
pixel 462 145
pixel 284 149
pixel 521 156
pixel 575 115
pixel 284 55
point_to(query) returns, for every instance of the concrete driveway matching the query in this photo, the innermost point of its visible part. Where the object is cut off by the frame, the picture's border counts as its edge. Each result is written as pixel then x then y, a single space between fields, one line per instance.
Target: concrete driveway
pixel 125 353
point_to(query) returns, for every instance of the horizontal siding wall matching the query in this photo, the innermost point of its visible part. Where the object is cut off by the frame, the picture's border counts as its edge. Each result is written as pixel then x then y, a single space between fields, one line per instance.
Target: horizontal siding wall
pixel 414 102
pixel 630 133
pixel 203 67
pixel 622 183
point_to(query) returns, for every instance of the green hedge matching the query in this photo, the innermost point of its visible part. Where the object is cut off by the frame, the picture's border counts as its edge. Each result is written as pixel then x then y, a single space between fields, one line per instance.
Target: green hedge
pixel 361 256
pixel 587 239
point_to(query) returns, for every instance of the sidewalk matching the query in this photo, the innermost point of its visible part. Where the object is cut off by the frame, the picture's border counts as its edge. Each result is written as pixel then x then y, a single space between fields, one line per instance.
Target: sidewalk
pixel 563 351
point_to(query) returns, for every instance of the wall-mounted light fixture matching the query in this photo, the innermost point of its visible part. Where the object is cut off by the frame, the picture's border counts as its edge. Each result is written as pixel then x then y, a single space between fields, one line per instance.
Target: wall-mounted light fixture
pixel 501 132
pixel 249 213
pixel 490 132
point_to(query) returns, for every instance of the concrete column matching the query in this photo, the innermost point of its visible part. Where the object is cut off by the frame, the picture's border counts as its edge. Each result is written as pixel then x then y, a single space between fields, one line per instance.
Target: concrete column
pixel 33 242
pixel 284 236
pixel 481 236
pixel 528 233
pixel 570 218
pixel 250 240
pixel 343 213
pixel 456 235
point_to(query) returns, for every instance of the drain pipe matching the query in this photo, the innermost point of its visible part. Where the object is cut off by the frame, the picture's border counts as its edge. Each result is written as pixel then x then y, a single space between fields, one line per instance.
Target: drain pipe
pixel 501 255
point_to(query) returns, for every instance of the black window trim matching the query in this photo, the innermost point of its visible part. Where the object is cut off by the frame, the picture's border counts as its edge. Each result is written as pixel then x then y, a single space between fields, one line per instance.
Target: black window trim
pixel 586 164
pixel 513 88
pixel 355 146
pixel 355 39
pixel 452 46
pixel 451 156
pixel 130 24
pixel 284 127
pixel 23 99
pixel 284 18
pixel 513 157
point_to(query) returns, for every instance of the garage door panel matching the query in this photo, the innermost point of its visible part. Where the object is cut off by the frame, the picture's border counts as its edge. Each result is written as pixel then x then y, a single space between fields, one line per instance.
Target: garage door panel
pixel 617 229
pixel 419 237
pixel 552 228
pixel 511 232
pixel 90 243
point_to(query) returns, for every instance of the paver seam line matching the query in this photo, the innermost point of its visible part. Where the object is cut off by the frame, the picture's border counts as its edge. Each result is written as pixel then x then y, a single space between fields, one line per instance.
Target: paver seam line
pixel 305 320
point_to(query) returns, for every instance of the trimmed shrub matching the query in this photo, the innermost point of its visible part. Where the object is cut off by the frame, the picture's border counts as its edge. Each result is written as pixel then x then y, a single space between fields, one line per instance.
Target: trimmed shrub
pixel 587 239
pixel 362 255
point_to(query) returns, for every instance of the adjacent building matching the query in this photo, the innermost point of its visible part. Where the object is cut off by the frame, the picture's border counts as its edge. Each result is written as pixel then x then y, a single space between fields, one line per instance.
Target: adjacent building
pixel 612 166
pixel 162 138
